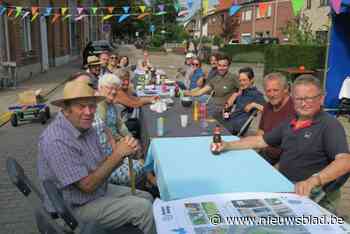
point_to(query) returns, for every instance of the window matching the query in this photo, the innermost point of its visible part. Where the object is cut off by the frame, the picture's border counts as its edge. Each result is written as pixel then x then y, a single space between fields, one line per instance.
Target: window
pixel 26 39
pixel 308 4
pixel 269 10
pixel 259 34
pixel 248 15
pixel 258 16
pixel 324 3
pixel 267 34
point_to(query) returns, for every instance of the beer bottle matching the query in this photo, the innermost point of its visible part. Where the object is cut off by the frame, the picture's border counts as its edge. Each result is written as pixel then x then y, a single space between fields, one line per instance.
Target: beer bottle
pixel 216 140
pixel 227 112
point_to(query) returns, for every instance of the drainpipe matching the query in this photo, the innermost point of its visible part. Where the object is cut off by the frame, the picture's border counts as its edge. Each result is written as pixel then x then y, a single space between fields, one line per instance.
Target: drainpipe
pixel 275 19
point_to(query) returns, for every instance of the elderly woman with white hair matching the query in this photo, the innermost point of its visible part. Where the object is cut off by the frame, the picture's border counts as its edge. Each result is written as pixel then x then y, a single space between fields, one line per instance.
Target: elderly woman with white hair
pixel 108 121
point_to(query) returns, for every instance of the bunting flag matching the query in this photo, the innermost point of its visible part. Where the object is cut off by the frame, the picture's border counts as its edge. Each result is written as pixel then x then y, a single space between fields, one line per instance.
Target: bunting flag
pixel 2 10
pixel 147 2
pixel 80 17
pixel 18 11
pixel 106 17
pixel 189 3
pixel 140 17
pixel 48 11
pixel 25 14
pixel 161 7
pixel 161 13
pixel 262 9
pixel 142 8
pixel 183 13
pixel 177 7
pixel 234 9
pixel 205 7
pixel 94 10
pixel 9 12
pixel 66 17
pixel 34 16
pixel 55 17
pixel 297 6
pixel 34 10
pixel 80 10
pixel 336 5
pixel 63 10
pixel 123 17
pixel 110 9
pixel 126 9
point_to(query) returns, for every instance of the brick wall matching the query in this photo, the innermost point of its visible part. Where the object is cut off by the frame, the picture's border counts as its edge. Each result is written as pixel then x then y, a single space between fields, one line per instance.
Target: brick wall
pixel 257 26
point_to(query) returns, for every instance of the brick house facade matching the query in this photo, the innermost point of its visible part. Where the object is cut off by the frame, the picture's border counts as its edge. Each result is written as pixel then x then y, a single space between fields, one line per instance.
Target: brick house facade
pixel 253 24
pixel 36 46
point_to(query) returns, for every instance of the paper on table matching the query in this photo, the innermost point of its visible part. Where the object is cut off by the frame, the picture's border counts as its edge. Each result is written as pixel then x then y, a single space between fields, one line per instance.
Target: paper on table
pixel 193 215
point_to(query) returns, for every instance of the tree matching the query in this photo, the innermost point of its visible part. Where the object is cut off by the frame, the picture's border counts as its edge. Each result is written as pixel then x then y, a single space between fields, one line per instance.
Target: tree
pixel 299 32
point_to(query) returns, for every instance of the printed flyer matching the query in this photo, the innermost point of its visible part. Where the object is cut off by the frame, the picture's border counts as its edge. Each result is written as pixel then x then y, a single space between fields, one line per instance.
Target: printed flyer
pixel 246 213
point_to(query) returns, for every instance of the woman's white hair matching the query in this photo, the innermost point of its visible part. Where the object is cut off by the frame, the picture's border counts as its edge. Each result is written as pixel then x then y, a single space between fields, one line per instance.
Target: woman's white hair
pixel 109 80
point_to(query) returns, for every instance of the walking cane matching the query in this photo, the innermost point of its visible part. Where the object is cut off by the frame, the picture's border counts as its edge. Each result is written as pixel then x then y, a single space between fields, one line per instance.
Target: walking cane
pixel 132 176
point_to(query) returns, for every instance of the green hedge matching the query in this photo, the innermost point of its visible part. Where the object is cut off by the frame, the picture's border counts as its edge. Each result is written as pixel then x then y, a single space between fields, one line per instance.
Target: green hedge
pixel 278 56
pixel 245 53
pixel 282 56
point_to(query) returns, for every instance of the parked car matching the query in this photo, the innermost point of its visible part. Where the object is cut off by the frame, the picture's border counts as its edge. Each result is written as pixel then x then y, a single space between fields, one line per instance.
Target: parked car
pixel 266 40
pixel 96 48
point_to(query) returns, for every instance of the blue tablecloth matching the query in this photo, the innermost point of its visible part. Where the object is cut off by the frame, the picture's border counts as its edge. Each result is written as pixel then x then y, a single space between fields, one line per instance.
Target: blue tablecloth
pixel 185 167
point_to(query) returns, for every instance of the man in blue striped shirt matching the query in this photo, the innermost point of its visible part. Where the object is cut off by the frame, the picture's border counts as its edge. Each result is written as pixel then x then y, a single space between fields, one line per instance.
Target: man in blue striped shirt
pixel 70 154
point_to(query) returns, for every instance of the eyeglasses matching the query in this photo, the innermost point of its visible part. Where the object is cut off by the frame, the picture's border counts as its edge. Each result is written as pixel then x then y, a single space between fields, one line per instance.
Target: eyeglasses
pixel 307 100
pixel 113 57
pixel 195 64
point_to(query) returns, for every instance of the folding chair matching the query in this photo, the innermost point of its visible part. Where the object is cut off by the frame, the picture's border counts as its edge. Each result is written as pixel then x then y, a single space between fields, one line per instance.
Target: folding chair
pixel 65 212
pixel 247 123
pixel 331 187
pixel 20 179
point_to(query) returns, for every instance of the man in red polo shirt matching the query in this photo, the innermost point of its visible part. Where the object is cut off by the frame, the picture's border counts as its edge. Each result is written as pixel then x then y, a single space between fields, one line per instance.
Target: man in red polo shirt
pixel 314 147
pixel 278 109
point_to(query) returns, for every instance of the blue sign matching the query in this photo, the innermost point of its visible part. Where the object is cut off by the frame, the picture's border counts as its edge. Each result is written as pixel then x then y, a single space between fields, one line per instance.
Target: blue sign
pixel 152 28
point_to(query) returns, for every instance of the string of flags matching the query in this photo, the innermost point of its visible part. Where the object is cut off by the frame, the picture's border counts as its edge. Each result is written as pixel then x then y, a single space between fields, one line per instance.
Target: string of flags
pixel 78 13
pixel 139 12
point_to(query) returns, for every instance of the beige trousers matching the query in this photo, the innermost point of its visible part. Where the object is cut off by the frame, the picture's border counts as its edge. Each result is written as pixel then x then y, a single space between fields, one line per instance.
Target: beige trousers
pixel 119 207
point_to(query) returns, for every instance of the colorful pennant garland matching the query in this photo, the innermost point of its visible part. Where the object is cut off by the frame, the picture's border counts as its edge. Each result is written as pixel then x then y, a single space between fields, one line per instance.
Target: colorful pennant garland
pixel 2 10
pixel 142 8
pixel 80 10
pixel 18 11
pixel 143 15
pixel 336 5
pixel 55 17
pixel 25 14
pixel 63 10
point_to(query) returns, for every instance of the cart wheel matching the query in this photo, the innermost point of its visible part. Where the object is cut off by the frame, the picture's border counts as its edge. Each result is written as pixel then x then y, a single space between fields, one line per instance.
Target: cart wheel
pixel 47 112
pixel 14 121
pixel 20 115
pixel 42 117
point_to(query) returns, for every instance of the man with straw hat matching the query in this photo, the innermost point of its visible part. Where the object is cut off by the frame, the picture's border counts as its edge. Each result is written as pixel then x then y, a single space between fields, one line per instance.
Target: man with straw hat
pixel 94 68
pixel 71 156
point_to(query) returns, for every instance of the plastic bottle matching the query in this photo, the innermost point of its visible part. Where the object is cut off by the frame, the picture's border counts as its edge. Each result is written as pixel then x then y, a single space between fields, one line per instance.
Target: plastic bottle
pixel 216 140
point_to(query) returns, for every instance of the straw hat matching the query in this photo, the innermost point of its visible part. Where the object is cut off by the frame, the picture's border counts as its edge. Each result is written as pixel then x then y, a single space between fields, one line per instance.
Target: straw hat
pixel 93 60
pixel 76 90
pixel 189 55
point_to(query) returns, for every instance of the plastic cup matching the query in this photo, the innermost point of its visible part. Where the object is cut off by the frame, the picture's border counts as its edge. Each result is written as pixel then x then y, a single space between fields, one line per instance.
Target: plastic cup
pixel 184 120
pixel 160 126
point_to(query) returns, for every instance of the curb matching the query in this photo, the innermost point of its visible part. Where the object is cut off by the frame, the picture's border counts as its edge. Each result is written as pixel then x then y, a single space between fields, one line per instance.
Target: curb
pixel 6 117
